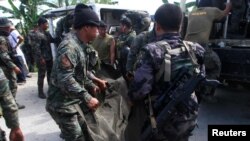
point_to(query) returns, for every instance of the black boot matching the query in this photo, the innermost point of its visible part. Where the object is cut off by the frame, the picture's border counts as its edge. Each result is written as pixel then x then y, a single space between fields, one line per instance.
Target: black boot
pixel 41 93
pixel 20 106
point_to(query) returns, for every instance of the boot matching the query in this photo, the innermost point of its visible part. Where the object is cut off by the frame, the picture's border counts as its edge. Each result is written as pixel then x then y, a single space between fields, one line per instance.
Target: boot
pixel 20 106
pixel 41 93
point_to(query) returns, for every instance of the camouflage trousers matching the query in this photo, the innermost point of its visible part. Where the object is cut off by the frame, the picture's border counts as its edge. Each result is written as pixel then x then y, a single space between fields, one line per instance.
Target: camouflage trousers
pixel 7 102
pixel 213 68
pixel 71 125
pixel 179 127
pixel 42 69
pixel 11 76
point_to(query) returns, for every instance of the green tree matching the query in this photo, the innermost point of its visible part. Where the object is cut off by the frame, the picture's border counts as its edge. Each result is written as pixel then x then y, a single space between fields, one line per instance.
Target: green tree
pixel 61 3
pixel 165 1
pixel 187 5
pixel 28 12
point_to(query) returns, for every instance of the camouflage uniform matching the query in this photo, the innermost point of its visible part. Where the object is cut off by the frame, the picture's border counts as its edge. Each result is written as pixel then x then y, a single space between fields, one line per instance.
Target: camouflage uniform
pixel 43 51
pixel 123 44
pixel 140 41
pixel 68 83
pixel 29 49
pixel 152 55
pixel 8 104
pixel 7 65
pixel 63 26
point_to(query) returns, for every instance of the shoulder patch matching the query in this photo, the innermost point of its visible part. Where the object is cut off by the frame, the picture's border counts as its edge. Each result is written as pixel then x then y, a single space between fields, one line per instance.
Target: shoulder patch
pixel 65 62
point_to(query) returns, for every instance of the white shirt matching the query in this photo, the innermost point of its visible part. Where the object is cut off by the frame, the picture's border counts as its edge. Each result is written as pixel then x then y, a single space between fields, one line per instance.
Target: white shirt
pixel 13 39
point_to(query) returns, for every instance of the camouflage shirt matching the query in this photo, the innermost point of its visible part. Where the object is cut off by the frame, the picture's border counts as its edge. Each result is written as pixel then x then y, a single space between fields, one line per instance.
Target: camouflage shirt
pixel 68 76
pixel 150 62
pixel 7 102
pixel 5 59
pixel 43 41
pixel 141 40
pixel 125 40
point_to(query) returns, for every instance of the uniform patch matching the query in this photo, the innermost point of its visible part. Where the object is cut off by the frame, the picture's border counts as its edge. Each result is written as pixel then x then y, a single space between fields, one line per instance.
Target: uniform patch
pixel 66 62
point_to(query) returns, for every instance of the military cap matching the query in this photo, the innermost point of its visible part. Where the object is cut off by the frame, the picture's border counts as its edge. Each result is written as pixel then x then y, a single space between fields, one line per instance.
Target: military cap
pixel 4 22
pixel 84 15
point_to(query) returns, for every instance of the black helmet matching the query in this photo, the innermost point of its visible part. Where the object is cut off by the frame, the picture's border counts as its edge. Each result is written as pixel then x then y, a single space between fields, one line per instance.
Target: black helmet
pixel 4 22
pixel 140 20
pixel 126 21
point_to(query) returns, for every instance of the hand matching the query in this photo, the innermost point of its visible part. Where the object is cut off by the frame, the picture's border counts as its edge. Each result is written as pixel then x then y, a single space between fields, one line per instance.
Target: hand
pixel 93 104
pixel 102 84
pixel 42 61
pixel 16 134
pixel 95 91
pixel 17 70
pixel 130 76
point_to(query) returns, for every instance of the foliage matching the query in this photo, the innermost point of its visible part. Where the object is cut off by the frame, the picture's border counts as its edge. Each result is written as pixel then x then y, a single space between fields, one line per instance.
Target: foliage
pixel 165 1
pixel 187 5
pixel 61 3
pixel 27 12
pixel 30 10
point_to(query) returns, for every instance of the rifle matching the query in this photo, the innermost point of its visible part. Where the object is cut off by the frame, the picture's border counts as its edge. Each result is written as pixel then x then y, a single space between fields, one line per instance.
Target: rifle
pixel 180 90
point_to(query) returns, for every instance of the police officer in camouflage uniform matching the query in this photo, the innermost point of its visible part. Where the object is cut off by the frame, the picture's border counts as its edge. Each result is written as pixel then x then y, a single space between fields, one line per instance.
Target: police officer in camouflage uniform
pixel 9 109
pixel 69 82
pixel 44 58
pixel 146 80
pixel 6 62
pixel 124 43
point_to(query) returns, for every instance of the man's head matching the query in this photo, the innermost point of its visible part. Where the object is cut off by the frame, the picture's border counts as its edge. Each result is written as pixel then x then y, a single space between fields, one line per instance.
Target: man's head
pixel 86 22
pixel 5 25
pixel 125 24
pixel 141 20
pixel 69 19
pixel 43 23
pixel 168 18
pixel 102 28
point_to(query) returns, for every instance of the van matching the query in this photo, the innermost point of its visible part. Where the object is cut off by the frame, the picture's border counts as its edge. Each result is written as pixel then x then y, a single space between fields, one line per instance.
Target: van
pixel 110 14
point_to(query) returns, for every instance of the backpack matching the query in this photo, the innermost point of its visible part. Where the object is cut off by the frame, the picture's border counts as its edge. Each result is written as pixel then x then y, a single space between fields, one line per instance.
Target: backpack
pixel 140 20
pixel 166 67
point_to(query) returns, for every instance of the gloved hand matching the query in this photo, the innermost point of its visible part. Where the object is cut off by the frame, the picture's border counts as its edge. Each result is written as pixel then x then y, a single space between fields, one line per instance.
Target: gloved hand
pixel 16 134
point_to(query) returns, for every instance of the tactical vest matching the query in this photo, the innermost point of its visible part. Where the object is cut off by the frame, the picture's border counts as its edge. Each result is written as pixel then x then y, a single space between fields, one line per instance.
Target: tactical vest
pixel 175 59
